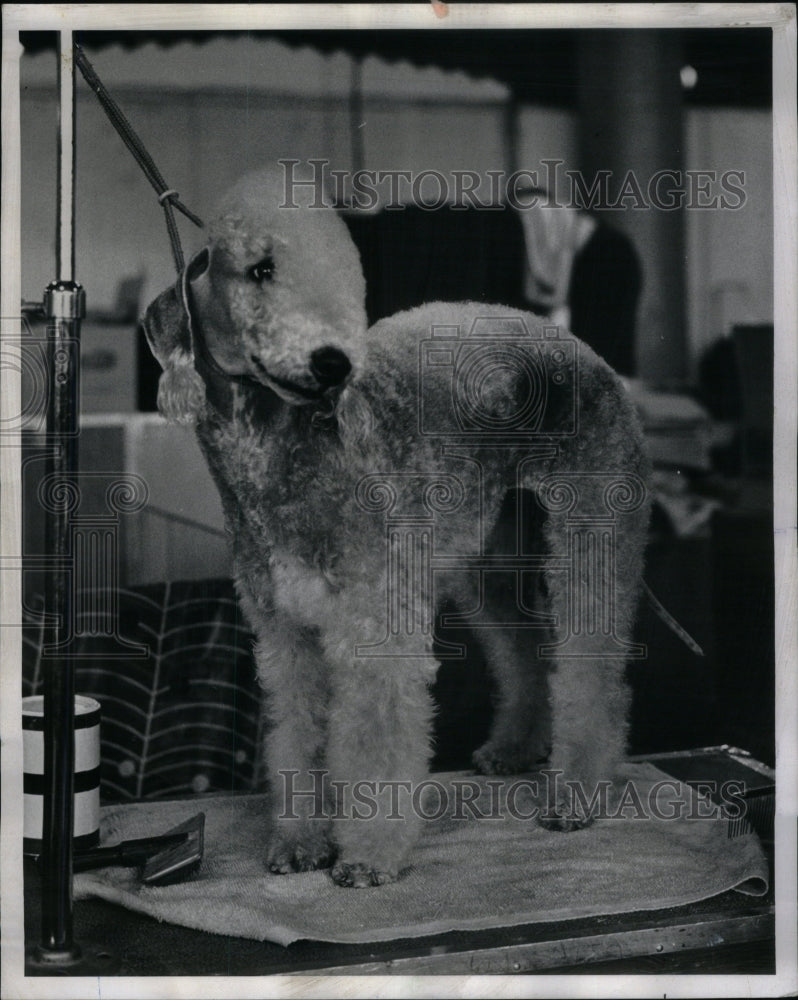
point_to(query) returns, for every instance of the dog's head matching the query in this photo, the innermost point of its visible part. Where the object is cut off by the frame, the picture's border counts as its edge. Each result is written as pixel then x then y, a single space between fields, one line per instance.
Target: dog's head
pixel 276 297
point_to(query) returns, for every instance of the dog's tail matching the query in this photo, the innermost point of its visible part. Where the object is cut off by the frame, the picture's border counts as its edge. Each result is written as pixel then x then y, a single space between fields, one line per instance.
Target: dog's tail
pixel 671 622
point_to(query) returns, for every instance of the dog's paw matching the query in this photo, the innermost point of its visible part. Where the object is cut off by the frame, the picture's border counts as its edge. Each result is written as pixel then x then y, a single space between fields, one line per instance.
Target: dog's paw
pixel 564 813
pixel 563 823
pixel 359 876
pixel 299 854
pixel 504 758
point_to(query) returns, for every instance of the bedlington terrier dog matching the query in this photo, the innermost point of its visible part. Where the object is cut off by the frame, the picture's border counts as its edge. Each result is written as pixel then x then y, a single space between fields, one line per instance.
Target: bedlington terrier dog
pixel 362 473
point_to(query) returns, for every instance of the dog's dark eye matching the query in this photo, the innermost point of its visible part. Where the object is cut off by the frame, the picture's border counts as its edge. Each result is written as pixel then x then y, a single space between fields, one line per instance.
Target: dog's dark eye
pixel 262 271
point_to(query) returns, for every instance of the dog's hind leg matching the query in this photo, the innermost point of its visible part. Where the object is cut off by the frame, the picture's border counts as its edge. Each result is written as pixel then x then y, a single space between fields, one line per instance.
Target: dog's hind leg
pixel 509 626
pixel 520 731
pixel 594 600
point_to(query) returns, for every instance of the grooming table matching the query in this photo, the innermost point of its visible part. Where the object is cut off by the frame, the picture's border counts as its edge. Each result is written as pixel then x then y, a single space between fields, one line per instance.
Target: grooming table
pixel 728 933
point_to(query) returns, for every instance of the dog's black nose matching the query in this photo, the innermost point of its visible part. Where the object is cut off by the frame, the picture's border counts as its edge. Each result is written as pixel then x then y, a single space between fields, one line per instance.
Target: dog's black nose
pixel 329 366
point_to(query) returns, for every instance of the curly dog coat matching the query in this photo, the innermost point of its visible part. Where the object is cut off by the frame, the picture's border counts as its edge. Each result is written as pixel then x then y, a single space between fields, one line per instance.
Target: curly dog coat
pixel 335 448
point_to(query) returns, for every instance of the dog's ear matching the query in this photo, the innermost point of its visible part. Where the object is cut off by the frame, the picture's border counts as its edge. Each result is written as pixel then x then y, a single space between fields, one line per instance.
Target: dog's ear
pixel 354 419
pixel 166 323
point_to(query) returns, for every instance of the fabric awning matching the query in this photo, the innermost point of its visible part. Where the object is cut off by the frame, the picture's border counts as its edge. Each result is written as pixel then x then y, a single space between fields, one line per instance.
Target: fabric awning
pixel 539 65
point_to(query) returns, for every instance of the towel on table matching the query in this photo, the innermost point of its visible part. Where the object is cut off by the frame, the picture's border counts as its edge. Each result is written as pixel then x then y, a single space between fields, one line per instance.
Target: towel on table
pixel 467 873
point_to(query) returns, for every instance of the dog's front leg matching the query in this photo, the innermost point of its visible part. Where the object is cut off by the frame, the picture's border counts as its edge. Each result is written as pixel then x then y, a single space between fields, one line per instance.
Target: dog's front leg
pixel 377 754
pixel 295 679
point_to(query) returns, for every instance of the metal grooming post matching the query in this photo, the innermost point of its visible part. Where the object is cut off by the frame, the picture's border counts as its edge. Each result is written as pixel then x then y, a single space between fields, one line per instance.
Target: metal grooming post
pixel 64 306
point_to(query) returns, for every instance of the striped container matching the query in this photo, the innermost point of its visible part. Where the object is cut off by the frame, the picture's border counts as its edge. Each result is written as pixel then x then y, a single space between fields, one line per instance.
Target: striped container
pixel 87 771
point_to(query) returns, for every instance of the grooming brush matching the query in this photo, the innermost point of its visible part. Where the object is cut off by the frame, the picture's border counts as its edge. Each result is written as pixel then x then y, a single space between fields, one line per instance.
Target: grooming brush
pixel 167 858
